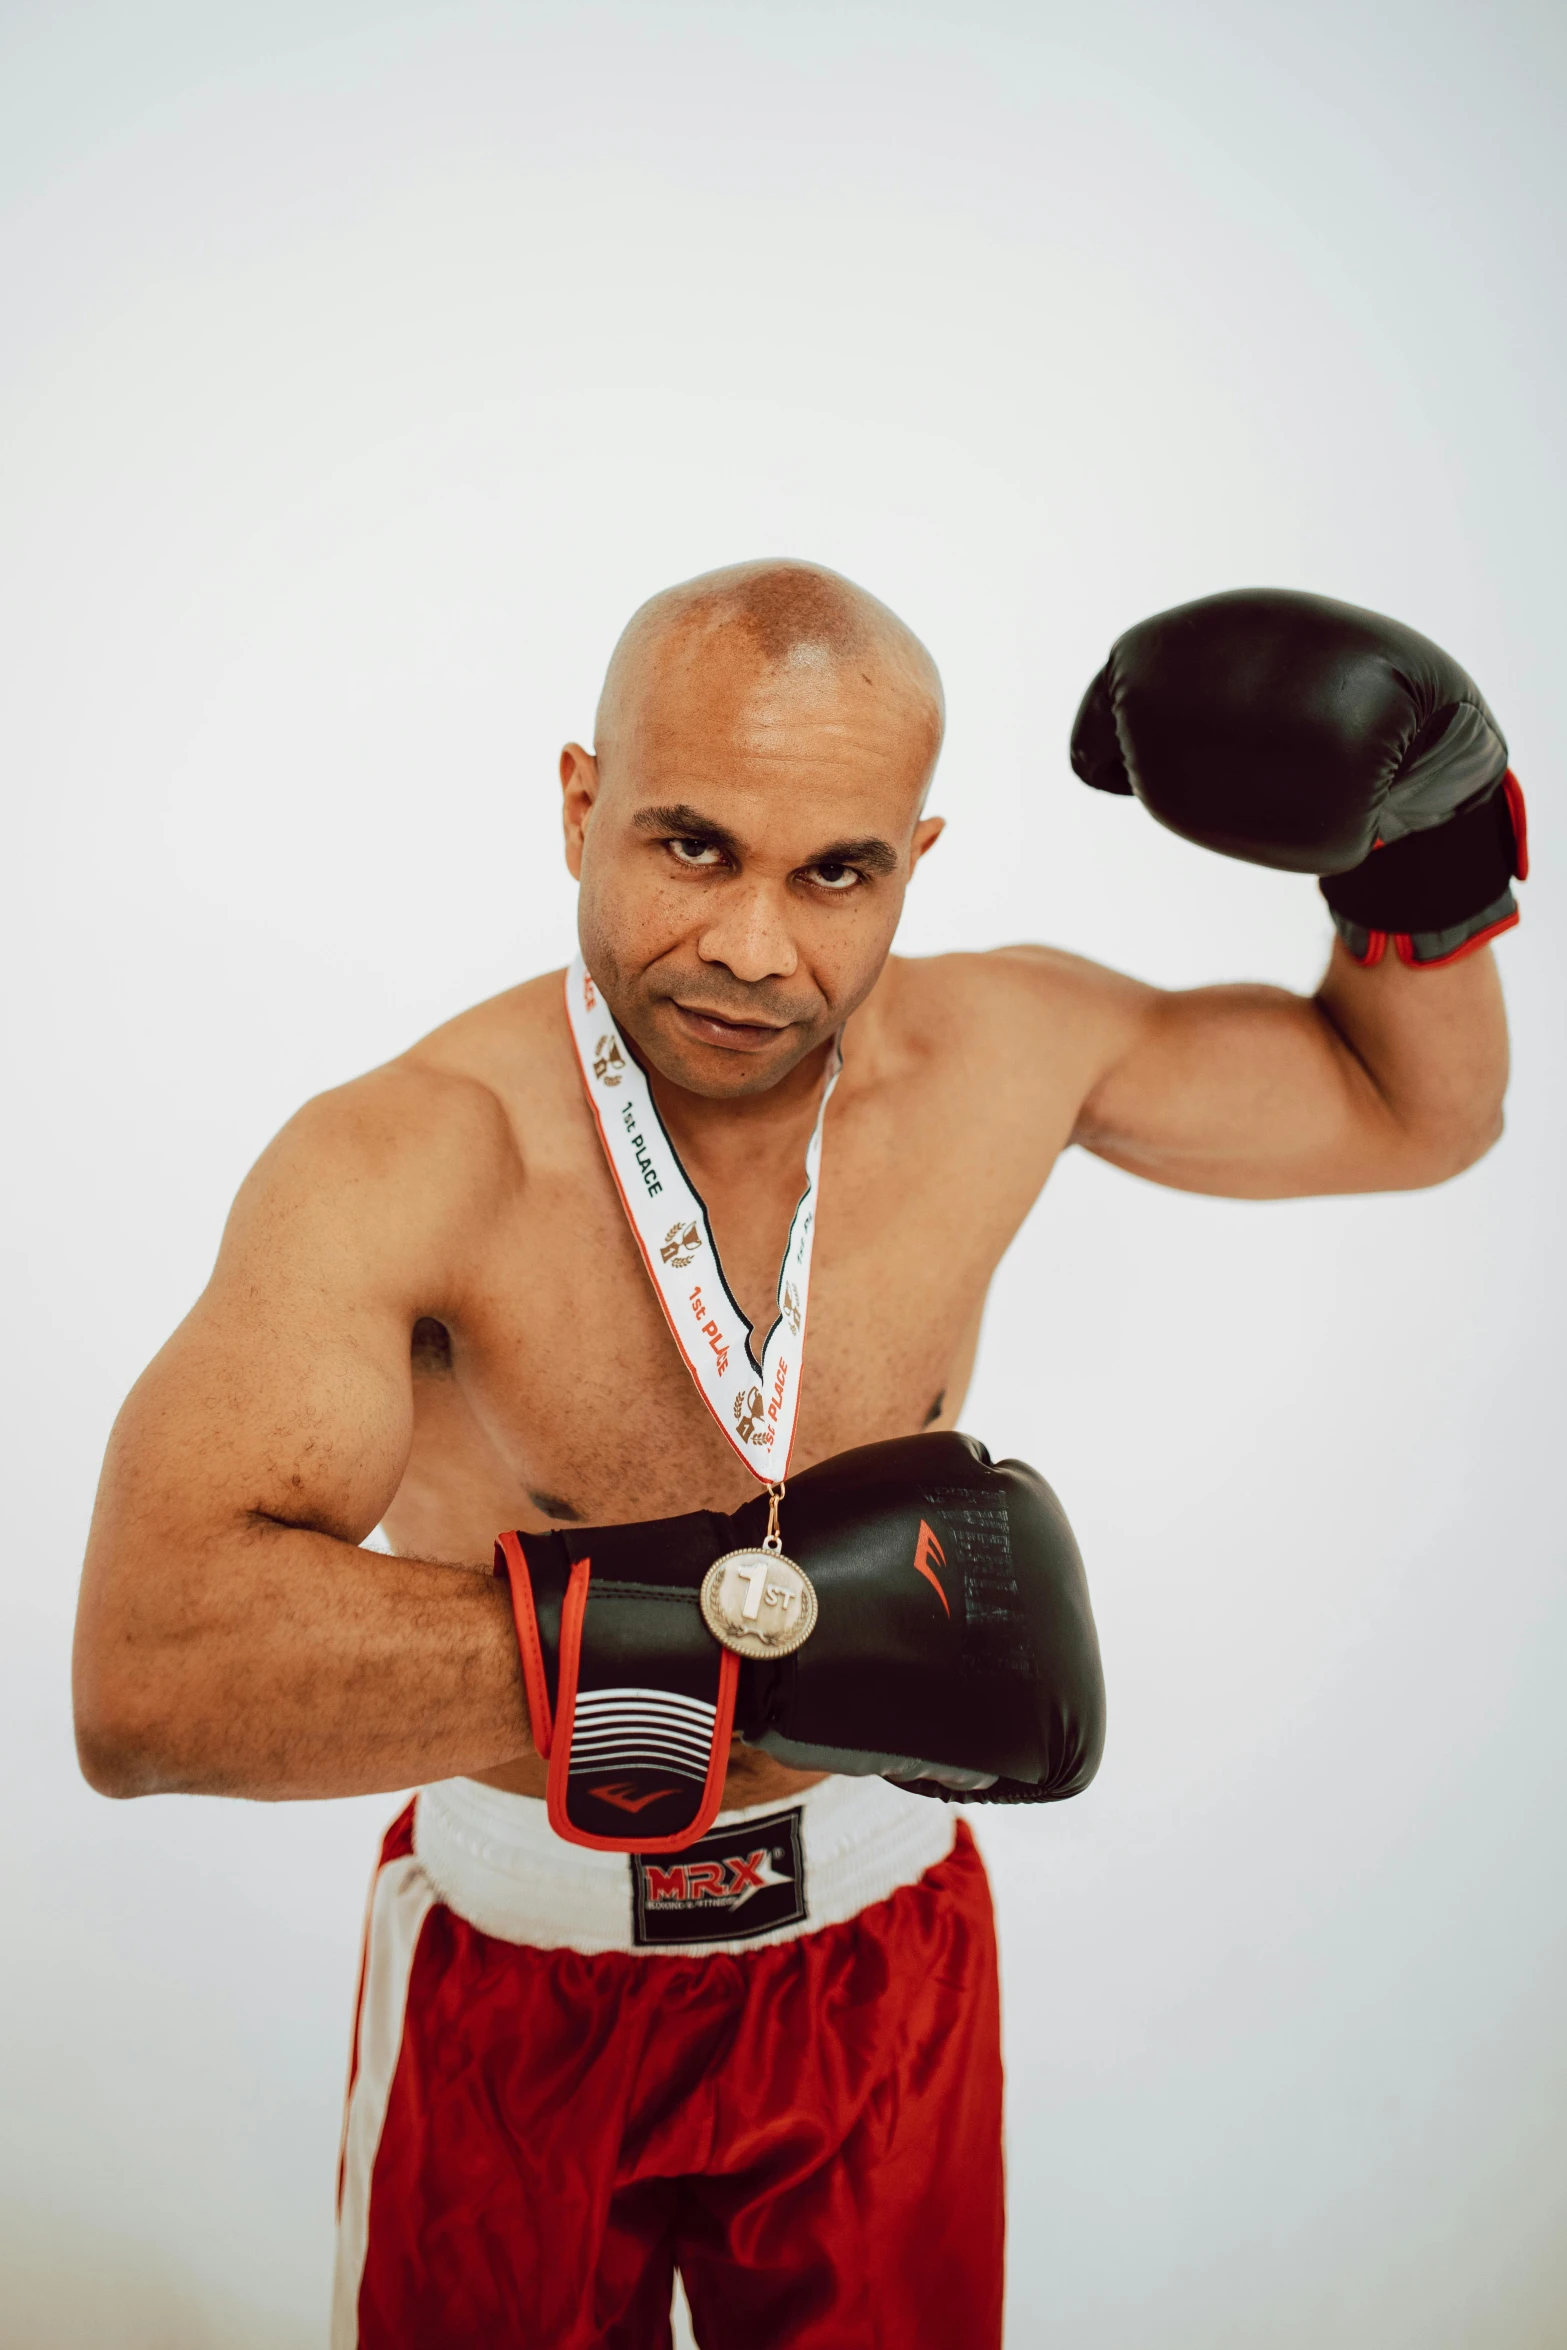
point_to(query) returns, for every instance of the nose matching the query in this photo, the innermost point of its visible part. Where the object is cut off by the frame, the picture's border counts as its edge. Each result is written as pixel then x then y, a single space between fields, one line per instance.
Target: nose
pixel 748 932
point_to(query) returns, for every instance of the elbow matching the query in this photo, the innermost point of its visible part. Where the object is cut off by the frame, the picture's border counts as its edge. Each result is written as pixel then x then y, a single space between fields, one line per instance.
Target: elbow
pixel 109 1766
pixel 1482 1139
pixel 149 1706
pixel 114 1760
pixel 1456 1148
pixel 121 1747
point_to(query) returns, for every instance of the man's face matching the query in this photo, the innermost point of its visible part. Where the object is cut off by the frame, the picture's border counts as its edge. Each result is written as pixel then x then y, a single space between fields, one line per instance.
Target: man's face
pixel 744 839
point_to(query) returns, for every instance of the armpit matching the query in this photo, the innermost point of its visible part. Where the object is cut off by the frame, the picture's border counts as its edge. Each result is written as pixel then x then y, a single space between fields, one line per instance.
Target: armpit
pixel 430 1348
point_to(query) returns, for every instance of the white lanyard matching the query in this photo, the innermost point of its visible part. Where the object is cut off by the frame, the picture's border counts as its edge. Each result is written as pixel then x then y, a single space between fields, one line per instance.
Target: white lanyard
pixel 753 1398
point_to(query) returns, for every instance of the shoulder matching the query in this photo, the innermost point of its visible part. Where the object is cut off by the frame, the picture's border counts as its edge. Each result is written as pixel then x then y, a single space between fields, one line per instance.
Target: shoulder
pixel 442 1130
pixel 514 1044
pixel 1013 996
pixel 396 1119
pixel 484 1089
pixel 391 1166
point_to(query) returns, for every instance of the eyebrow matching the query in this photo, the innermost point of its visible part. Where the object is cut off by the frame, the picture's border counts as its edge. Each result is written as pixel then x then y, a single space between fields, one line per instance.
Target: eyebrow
pixel 688 823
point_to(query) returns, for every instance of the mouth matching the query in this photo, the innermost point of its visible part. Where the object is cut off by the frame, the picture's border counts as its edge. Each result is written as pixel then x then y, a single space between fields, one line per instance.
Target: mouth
pixel 735 1036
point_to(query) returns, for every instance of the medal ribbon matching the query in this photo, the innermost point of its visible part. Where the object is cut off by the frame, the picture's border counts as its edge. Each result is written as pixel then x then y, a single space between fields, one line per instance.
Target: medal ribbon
pixel 753 1397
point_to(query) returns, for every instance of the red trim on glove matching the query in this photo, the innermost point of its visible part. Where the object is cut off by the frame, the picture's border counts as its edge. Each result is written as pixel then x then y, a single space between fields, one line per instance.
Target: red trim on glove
pixel 571 1615
pixel 511 1565
pixel 1376 948
pixel 1513 790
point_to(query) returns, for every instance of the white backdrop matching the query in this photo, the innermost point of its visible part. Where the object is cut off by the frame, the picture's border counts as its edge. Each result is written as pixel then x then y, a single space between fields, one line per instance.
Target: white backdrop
pixel 362 368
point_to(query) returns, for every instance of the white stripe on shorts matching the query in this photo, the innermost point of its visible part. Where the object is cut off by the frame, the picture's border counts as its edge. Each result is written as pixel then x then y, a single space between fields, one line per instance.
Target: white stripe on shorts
pixel 400 1901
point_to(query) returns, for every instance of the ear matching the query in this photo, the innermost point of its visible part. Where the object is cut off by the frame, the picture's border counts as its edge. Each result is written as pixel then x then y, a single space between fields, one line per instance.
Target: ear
pixel 926 834
pixel 579 783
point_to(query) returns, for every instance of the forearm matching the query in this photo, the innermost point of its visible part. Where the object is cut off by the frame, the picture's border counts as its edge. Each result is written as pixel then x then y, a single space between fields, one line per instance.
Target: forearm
pixel 296 1666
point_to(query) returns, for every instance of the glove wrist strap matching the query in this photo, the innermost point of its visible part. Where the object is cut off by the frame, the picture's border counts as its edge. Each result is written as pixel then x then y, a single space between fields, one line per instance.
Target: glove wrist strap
pixel 630 1698
pixel 633 1768
pixel 1436 895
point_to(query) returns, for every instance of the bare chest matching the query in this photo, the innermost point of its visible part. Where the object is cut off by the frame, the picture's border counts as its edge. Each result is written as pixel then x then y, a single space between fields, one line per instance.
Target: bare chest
pixel 560 1396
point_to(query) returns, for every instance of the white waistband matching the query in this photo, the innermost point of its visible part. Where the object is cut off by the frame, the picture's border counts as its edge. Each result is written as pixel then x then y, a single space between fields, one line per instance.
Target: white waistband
pixel 495 1860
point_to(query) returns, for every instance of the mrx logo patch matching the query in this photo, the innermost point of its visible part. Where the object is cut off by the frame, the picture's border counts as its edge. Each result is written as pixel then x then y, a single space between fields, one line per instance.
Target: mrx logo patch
pixel 732 1884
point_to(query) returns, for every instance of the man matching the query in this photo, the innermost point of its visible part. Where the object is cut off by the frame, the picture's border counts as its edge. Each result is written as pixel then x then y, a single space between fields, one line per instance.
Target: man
pixel 431 1313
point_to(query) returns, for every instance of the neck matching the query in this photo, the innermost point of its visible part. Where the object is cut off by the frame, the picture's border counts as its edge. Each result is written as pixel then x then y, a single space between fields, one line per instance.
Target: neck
pixel 706 1129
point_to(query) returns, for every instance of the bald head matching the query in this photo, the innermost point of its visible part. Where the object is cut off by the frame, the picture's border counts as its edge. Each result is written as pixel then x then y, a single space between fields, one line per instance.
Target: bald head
pixel 749 818
pixel 758 630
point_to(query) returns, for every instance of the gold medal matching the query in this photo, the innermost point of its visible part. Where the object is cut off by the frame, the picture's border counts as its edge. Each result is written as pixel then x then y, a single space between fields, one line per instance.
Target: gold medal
pixel 757 1602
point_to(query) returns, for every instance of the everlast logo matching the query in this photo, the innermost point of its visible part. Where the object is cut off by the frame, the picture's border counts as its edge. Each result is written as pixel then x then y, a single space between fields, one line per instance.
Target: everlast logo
pixel 609 1065
pixel 925 1549
pixel 731 1885
pixel 648 1171
pixel 681 1243
pixel 626 1798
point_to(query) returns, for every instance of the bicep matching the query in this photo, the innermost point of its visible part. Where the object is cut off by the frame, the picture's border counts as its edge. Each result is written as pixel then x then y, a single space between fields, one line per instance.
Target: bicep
pixel 296 1406
pixel 1249 1092
pixel 286 1394
pixel 262 1410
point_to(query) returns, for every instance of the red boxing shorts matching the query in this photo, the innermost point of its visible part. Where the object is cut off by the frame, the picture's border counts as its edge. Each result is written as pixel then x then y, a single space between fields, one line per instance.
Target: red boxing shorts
pixel 771 2061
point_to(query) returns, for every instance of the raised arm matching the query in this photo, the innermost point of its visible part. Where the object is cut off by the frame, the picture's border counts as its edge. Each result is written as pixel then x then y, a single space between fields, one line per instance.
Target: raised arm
pixel 232 1638
pixel 1387 1079
pixel 1292 731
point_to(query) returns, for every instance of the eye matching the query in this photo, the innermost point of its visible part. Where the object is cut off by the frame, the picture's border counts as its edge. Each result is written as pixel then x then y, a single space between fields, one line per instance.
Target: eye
pixel 836 877
pixel 702 854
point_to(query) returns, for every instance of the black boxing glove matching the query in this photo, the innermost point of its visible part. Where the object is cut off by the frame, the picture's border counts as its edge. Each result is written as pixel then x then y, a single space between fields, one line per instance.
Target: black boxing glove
pixel 1294 731
pixel 953 1646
